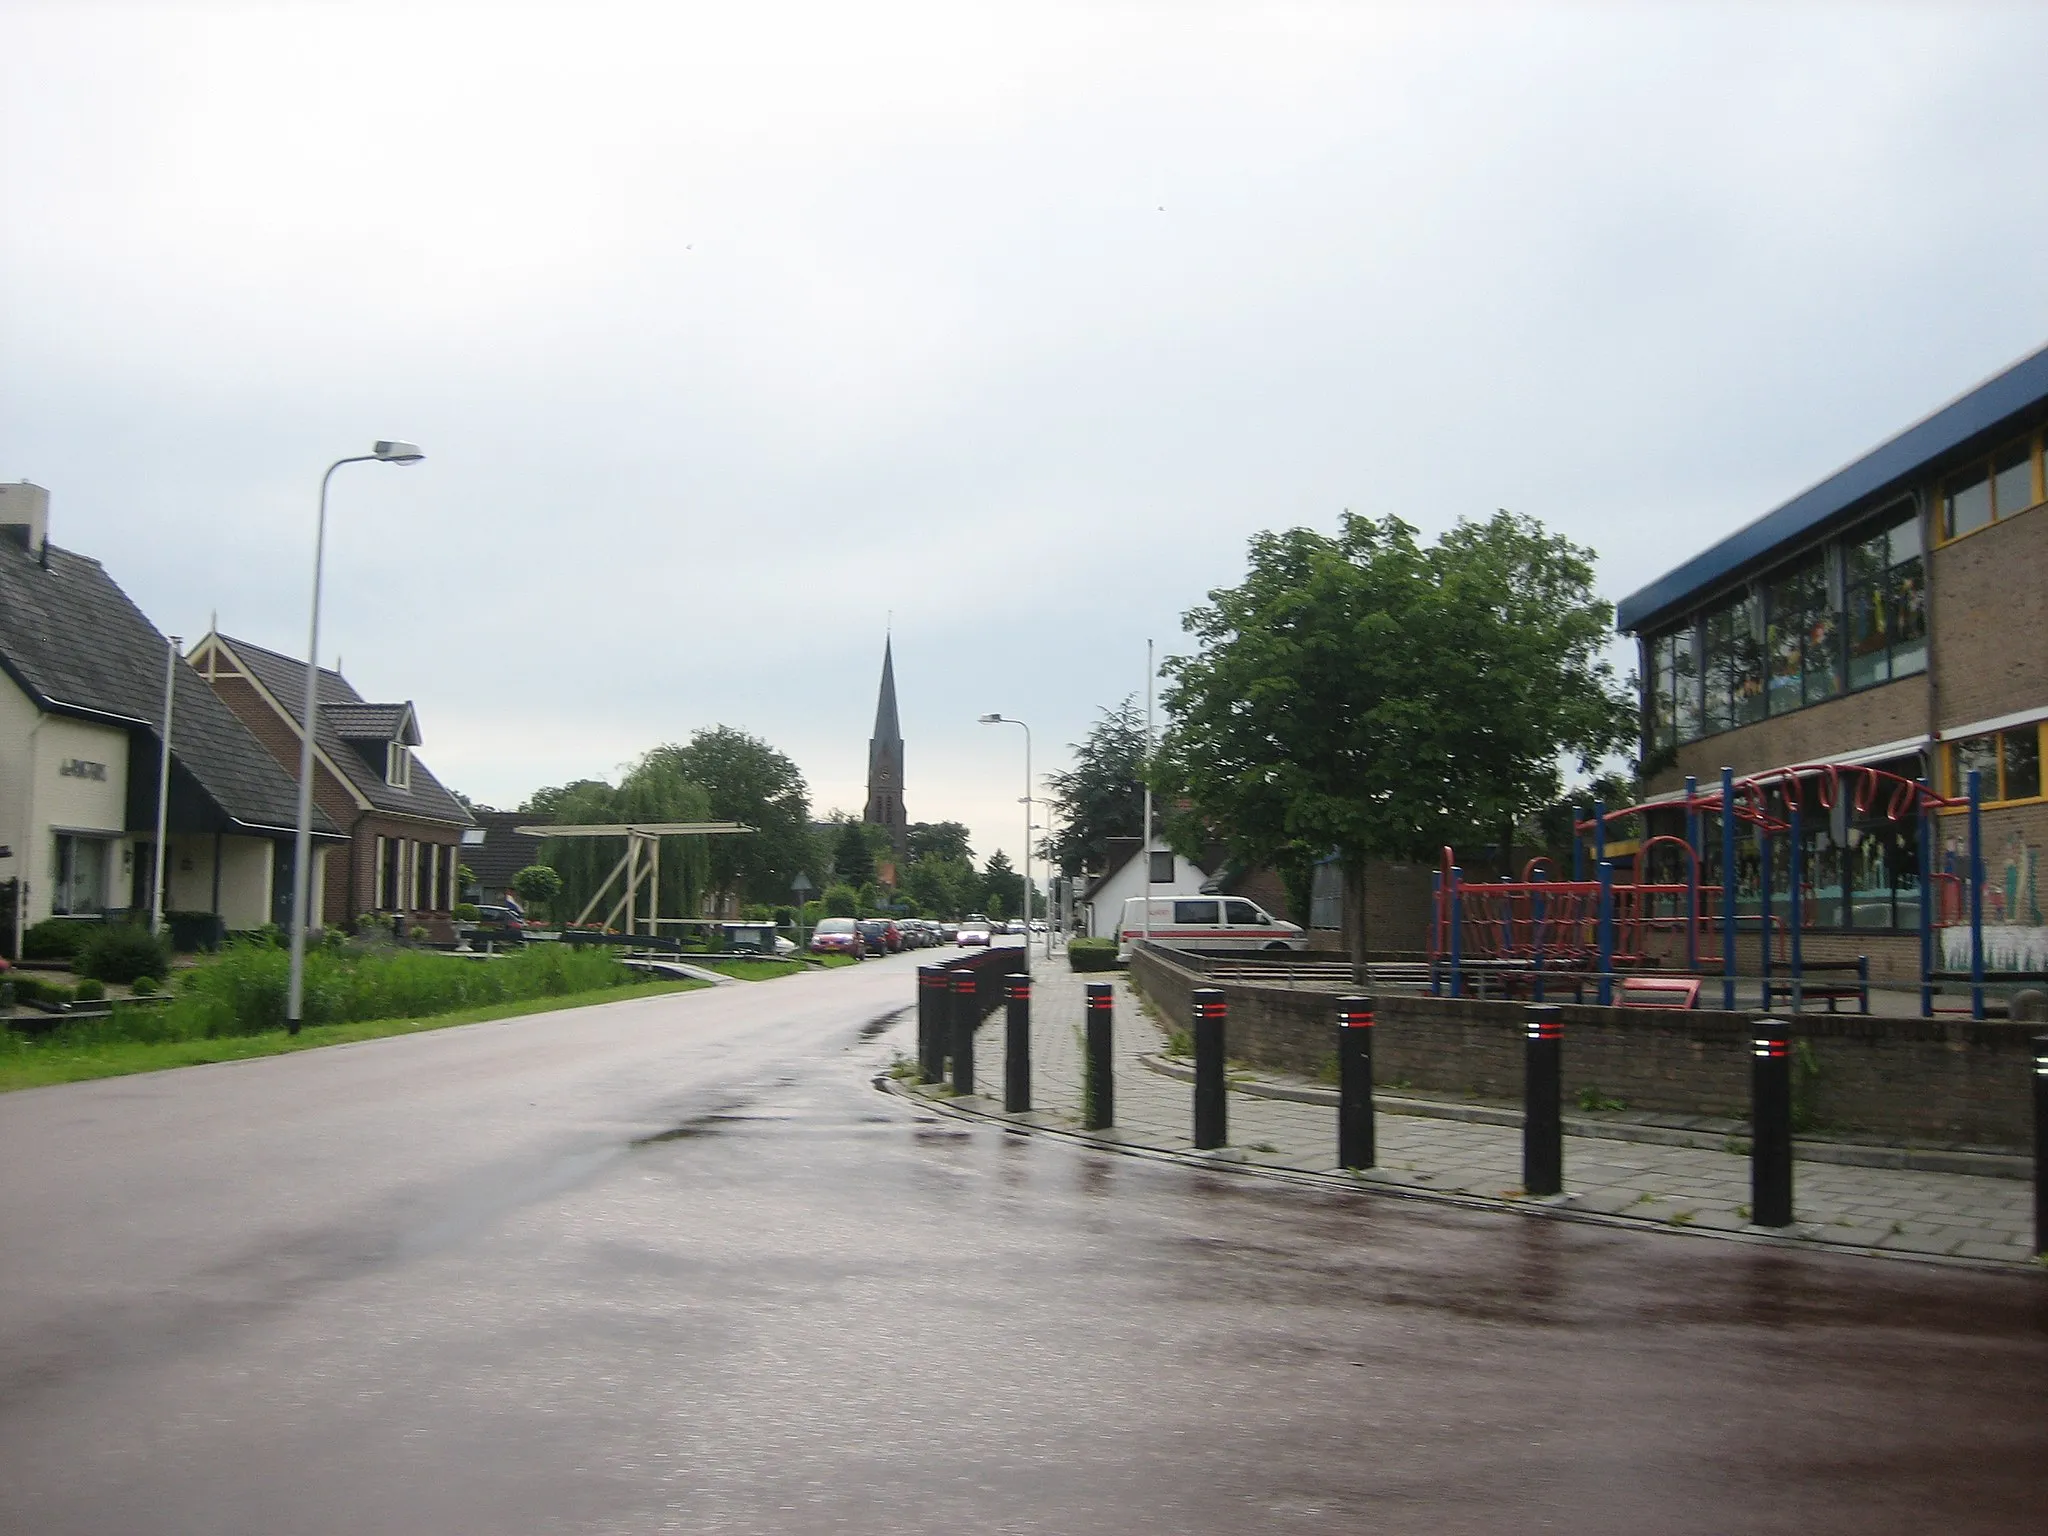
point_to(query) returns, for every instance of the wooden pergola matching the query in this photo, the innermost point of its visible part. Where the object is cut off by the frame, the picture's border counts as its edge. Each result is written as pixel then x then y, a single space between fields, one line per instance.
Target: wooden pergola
pixel 641 863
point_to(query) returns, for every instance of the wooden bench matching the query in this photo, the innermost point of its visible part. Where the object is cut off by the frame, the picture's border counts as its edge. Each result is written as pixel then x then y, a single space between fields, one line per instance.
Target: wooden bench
pixel 1831 990
pixel 1659 992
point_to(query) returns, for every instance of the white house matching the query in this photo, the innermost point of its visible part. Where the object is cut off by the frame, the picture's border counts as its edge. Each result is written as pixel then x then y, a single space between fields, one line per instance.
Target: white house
pixel 82 676
pixel 1102 902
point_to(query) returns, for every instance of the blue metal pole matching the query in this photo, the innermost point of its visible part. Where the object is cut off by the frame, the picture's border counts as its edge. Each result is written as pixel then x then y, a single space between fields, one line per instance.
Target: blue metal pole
pixel 1536 914
pixel 1692 876
pixel 1436 919
pixel 1976 895
pixel 1927 901
pixel 1763 921
pixel 1798 913
pixel 1457 932
pixel 1606 934
pixel 1728 889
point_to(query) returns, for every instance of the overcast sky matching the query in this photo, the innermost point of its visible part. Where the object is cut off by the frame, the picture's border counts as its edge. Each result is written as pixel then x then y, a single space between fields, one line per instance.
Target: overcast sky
pixel 729 329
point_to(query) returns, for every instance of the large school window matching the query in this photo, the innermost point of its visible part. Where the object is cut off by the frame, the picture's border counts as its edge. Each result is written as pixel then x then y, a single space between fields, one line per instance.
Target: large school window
pixel 2008 764
pixel 1997 486
pixel 1885 607
pixel 1850 615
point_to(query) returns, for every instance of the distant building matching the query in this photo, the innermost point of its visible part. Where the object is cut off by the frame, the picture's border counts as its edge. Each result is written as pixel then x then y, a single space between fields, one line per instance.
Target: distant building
pixel 82 676
pixel 495 850
pixel 404 829
pixel 885 764
pixel 1101 905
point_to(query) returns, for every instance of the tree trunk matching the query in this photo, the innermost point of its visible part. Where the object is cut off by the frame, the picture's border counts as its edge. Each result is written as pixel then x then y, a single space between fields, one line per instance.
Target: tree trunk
pixel 1356 936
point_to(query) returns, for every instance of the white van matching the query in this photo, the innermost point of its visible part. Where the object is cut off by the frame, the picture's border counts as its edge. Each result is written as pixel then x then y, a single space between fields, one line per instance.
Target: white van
pixel 1205 922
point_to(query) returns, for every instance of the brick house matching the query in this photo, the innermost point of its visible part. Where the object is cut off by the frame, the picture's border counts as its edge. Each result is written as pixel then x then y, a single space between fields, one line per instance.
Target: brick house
pixel 404 829
pixel 496 850
pixel 82 689
pixel 1896 615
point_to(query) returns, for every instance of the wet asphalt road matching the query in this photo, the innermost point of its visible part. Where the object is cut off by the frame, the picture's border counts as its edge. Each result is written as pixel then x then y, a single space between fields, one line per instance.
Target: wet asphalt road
pixel 673 1265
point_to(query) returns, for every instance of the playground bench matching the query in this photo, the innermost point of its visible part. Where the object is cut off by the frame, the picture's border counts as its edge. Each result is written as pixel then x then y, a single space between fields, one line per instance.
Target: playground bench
pixel 1659 992
pixel 1859 989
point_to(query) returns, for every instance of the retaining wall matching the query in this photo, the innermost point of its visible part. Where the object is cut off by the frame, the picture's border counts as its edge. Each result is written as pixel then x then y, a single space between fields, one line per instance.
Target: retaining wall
pixel 1909 1080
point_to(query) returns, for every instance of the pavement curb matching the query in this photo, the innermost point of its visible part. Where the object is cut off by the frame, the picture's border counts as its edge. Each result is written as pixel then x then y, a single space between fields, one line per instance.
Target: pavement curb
pixel 1991 1165
pixel 1805 1239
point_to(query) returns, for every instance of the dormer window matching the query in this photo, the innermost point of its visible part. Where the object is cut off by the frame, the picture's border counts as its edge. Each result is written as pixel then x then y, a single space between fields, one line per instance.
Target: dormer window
pixel 398 765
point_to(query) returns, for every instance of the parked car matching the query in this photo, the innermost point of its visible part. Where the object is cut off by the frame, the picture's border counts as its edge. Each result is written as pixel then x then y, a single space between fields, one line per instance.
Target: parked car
pixel 948 932
pixel 499 925
pixel 973 934
pixel 838 936
pixel 882 936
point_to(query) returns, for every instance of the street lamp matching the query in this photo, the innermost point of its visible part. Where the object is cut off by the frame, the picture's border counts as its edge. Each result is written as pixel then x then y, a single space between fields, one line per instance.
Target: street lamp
pixel 1005 720
pixel 383 452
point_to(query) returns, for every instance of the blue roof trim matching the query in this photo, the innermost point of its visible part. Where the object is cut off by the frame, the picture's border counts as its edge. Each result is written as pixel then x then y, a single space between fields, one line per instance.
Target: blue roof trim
pixel 2022 385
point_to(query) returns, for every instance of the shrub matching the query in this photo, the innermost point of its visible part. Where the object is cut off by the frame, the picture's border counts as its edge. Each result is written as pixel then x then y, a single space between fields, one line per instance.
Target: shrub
pixel 121 952
pixel 463 912
pixel 144 986
pixel 88 991
pixel 1092 954
pixel 56 938
pixel 33 989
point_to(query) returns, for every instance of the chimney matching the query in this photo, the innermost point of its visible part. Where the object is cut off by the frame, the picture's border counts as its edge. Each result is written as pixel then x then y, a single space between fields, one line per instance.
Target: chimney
pixel 25 515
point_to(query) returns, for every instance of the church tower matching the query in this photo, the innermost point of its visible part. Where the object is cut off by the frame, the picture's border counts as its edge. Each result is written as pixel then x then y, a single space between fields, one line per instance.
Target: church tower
pixel 885 762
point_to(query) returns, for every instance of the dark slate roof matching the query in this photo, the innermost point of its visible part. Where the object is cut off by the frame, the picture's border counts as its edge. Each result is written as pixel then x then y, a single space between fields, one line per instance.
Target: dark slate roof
pixel 72 640
pixel 503 852
pixel 284 678
pixel 373 722
pixel 2019 389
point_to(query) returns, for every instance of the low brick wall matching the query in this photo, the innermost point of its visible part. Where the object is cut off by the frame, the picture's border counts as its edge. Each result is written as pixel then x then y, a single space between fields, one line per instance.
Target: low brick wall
pixel 1918 1080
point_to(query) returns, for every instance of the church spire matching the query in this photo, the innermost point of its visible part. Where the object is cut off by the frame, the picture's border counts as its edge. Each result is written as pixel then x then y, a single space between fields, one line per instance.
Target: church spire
pixel 885 760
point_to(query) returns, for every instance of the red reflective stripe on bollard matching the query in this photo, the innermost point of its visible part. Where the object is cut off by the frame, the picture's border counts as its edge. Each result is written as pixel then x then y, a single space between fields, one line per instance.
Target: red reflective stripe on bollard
pixel 963 981
pixel 1018 988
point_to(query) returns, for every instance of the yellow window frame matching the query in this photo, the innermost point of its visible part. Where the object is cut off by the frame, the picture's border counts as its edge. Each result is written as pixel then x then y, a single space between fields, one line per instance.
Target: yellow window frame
pixel 1994 793
pixel 2037 478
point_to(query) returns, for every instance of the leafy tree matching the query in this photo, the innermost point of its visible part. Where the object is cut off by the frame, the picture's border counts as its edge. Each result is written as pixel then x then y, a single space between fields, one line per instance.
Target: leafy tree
pixel 538 886
pixel 1366 694
pixel 938 840
pixel 748 781
pixel 853 855
pixel 949 888
pixel 841 901
pixel 1002 887
pixel 1103 796
pixel 652 790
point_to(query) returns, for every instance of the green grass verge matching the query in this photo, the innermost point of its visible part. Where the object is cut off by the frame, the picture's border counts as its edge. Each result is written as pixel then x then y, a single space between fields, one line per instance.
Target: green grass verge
pixel 833 962
pixel 66 1058
pixel 753 970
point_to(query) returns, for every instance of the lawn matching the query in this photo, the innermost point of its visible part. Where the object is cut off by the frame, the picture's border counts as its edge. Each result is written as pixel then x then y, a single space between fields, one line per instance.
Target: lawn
pixel 84 1051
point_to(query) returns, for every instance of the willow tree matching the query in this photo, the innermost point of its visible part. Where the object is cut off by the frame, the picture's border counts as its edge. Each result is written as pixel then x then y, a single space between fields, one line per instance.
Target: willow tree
pixel 654 789
pixel 1366 695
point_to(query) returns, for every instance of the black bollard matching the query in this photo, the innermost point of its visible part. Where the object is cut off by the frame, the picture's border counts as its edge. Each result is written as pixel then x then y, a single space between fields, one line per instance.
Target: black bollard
pixel 1017 1046
pixel 1355 1130
pixel 1211 1110
pixel 1770 1132
pixel 1098 1080
pixel 966 1015
pixel 1542 1101
pixel 2041 1144
pixel 932 1023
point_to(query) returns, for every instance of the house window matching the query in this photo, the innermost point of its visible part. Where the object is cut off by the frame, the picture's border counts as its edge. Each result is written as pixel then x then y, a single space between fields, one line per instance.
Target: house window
pixel 1991 488
pixel 398 765
pixel 1161 872
pixel 388 860
pixel 2008 764
pixel 1733 664
pixel 81 883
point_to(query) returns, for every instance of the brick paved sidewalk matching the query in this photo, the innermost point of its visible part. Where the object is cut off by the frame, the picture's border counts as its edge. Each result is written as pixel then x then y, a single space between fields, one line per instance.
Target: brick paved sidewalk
pixel 1876 1210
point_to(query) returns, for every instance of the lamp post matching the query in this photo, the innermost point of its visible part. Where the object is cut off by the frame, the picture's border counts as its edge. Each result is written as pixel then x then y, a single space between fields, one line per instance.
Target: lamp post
pixel 163 790
pixel 1006 720
pixel 302 846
